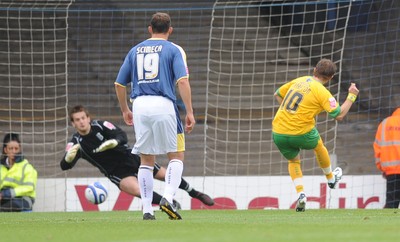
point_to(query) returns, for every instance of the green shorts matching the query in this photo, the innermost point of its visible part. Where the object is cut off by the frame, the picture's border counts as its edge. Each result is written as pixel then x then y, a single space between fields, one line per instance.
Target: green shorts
pixel 290 145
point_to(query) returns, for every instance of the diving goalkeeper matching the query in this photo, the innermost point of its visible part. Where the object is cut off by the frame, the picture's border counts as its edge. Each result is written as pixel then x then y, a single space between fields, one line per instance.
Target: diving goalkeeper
pixel 104 145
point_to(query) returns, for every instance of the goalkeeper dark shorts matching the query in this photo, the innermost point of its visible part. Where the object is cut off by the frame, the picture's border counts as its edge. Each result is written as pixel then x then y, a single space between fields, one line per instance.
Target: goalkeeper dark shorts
pixel 290 145
pixel 121 172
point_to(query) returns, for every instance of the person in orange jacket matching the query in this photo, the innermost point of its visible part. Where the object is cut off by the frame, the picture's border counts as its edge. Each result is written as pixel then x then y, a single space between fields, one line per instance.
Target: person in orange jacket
pixel 387 156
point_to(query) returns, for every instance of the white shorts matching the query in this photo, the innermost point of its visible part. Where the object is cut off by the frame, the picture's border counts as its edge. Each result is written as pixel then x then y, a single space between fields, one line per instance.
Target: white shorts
pixel 158 128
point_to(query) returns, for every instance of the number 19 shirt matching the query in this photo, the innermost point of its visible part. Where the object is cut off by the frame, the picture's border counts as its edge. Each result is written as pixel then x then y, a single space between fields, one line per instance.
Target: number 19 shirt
pixel 303 99
pixel 154 66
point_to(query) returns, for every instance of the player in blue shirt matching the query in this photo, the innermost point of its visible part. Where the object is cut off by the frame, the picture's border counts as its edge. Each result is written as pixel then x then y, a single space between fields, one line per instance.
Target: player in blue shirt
pixel 154 68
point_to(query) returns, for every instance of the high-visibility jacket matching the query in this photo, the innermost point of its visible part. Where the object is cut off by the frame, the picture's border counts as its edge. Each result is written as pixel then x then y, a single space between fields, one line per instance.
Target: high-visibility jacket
pixel 387 144
pixel 19 180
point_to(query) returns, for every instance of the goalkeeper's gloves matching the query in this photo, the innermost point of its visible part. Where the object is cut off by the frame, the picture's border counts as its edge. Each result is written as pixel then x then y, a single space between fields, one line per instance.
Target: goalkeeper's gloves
pixel 109 144
pixel 71 153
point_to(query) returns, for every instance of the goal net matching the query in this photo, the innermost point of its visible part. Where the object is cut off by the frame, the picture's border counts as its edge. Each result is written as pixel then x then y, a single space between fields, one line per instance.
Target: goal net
pixel 256 46
pixel 33 77
pixel 55 54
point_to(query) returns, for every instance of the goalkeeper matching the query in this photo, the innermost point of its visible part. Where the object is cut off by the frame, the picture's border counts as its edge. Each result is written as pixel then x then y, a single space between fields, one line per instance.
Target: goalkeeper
pixel 293 127
pixel 104 145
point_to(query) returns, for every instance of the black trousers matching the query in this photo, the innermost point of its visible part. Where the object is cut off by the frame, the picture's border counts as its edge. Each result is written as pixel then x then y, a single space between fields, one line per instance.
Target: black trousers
pixel 16 204
pixel 392 191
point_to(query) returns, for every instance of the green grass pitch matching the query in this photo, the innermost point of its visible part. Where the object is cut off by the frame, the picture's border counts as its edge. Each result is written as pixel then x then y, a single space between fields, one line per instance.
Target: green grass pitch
pixel 340 225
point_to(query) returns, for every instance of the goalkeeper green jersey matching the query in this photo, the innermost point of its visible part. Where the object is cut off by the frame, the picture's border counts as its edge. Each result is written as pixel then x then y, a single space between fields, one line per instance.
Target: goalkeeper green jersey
pixel 303 99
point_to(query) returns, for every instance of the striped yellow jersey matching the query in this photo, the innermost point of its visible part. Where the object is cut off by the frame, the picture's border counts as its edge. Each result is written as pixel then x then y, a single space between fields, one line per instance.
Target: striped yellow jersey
pixel 303 99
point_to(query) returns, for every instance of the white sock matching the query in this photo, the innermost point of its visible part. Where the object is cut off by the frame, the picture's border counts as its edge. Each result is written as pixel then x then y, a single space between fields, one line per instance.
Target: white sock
pixel 145 178
pixel 173 176
pixel 189 188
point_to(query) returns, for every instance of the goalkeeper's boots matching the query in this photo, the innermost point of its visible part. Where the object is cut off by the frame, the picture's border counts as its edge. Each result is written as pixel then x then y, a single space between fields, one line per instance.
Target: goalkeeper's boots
pixel 177 205
pixel 301 203
pixel 204 198
pixel 169 209
pixel 337 175
pixel 148 216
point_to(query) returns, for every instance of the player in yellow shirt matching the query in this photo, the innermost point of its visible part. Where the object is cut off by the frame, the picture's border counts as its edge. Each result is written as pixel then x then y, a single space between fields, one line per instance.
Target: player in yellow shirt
pixel 293 127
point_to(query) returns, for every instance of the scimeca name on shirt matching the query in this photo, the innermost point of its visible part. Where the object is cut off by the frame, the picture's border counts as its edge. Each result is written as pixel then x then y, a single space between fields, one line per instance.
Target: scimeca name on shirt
pixel 149 49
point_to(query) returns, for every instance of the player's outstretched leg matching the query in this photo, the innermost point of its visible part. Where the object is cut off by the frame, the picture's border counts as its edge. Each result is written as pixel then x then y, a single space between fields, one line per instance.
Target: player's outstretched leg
pixel 301 203
pixel 337 175
pixel 204 198
pixel 169 209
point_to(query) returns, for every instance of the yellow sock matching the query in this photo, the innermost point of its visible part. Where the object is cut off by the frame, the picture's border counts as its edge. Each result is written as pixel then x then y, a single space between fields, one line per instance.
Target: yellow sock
pixel 324 161
pixel 296 174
